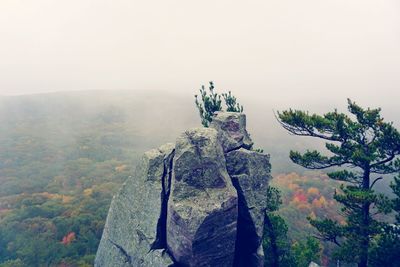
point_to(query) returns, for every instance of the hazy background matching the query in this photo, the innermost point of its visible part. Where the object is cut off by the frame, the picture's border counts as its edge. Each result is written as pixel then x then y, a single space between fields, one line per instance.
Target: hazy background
pixel 117 78
pixel 273 55
pixel 284 52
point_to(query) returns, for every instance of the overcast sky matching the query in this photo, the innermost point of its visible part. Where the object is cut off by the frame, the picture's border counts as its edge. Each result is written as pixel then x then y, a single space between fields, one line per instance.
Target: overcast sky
pixel 309 50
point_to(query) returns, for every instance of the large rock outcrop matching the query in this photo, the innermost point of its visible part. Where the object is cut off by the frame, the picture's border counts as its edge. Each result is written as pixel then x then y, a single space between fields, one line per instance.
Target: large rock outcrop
pixel 200 202
pixel 202 209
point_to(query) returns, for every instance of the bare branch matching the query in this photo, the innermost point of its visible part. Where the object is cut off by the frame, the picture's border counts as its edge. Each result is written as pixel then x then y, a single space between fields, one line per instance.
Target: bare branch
pixel 376 180
pixel 391 157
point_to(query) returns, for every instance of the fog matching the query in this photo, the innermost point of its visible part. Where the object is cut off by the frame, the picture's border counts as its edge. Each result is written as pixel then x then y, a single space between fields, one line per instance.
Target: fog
pixel 87 86
pixel 309 52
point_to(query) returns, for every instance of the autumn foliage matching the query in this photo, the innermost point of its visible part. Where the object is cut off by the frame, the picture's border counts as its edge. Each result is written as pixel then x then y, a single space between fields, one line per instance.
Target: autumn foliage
pixel 303 196
pixel 67 239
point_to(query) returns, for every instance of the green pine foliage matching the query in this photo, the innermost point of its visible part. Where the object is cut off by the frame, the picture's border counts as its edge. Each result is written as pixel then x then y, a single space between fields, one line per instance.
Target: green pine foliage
pixel 278 250
pixel 275 244
pixel 386 249
pixel 395 185
pixel 210 102
pixel 231 103
pixel 306 251
pixel 369 147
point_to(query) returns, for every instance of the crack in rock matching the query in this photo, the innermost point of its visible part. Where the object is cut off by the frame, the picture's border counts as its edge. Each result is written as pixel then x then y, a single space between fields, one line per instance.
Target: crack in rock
pixel 161 236
pixel 128 258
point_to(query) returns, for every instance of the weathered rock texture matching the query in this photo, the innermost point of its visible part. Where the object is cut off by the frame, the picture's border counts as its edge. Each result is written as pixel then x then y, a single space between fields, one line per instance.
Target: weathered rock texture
pixel 200 202
pixel 134 231
pixel 202 210
pixel 231 127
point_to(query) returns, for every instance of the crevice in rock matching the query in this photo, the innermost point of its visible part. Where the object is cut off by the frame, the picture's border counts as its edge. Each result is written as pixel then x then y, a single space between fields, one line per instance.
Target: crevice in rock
pixel 124 253
pixel 246 238
pixel 247 147
pixel 161 236
pixel 141 236
pixel 233 149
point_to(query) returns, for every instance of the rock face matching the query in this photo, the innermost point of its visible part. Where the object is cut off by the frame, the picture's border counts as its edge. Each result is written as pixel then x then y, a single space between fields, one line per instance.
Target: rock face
pixel 248 170
pixel 202 210
pixel 200 202
pixel 137 213
pixel 231 127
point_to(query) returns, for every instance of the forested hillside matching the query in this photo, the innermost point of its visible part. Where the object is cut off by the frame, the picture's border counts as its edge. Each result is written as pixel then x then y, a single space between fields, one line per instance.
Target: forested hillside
pixel 62 158
pixel 64 155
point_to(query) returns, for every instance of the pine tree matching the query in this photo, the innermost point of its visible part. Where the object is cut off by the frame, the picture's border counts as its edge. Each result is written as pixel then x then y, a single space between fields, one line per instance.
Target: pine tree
pixel 275 243
pixel 366 144
pixel 306 251
pixel 277 248
pixel 210 102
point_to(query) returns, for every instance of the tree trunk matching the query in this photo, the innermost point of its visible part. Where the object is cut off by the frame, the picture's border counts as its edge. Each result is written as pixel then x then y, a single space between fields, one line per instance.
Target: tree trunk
pixel 272 240
pixel 365 223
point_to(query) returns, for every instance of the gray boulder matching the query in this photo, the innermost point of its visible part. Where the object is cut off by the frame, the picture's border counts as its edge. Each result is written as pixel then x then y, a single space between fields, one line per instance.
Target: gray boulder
pixel 133 233
pixel 250 173
pixel 231 127
pixel 202 209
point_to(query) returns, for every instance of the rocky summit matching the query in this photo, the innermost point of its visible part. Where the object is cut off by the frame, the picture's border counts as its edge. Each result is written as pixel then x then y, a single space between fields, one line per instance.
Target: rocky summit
pixel 198 202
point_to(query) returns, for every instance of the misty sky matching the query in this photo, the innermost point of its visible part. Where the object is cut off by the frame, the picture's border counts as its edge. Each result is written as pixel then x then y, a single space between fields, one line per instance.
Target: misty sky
pixel 305 51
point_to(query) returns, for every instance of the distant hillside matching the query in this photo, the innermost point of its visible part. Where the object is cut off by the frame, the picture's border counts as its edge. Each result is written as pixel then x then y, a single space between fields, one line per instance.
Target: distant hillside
pixel 142 119
pixel 42 132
